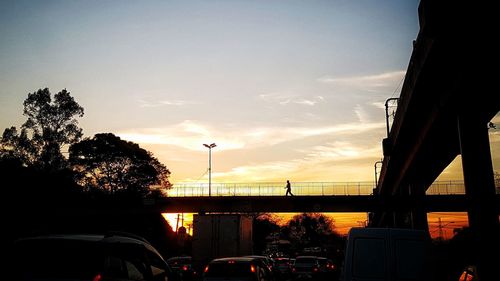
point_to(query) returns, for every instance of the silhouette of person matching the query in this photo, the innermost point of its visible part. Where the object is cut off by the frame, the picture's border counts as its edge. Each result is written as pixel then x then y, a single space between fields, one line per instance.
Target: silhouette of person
pixel 288 188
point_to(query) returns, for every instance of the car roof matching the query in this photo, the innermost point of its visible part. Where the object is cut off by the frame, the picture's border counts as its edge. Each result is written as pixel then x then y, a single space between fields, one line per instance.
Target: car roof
pixel 183 258
pixel 236 259
pixel 89 238
pixel 306 257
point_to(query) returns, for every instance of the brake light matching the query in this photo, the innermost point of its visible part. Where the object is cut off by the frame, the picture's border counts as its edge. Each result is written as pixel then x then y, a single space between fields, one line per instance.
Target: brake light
pixel 185 268
pixel 206 269
pixel 252 268
pixel 98 277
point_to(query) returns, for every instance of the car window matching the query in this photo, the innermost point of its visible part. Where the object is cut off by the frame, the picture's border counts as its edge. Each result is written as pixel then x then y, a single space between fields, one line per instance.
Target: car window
pixel 158 265
pixel 305 261
pixel 370 257
pixel 409 267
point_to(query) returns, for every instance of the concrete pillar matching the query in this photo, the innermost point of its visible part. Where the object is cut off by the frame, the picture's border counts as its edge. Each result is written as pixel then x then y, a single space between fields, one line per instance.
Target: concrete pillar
pixel 480 192
pixel 418 214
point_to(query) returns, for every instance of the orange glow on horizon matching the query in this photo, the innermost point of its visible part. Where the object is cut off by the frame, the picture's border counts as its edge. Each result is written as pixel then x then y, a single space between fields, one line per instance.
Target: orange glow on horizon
pixel 443 224
pixel 343 222
pixel 179 219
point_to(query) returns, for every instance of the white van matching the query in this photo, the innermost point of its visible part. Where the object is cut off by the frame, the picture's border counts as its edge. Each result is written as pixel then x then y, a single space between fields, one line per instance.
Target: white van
pixel 388 254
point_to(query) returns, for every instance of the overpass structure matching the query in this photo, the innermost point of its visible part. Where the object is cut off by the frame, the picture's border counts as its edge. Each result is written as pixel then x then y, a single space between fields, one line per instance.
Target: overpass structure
pixel 448 97
pixel 310 203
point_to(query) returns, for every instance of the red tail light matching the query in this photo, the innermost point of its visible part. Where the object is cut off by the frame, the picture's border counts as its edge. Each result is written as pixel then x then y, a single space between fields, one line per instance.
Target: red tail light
pixel 98 277
pixel 315 269
pixel 252 268
pixel 206 269
pixel 185 268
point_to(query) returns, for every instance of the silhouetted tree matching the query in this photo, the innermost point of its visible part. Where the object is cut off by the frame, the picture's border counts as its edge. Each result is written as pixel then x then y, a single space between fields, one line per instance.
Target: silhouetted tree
pixel 263 226
pixel 310 230
pixel 51 124
pixel 17 148
pixel 110 165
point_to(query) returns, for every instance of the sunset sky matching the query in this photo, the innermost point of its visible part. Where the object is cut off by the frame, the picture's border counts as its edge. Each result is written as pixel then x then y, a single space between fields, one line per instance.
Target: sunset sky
pixel 286 89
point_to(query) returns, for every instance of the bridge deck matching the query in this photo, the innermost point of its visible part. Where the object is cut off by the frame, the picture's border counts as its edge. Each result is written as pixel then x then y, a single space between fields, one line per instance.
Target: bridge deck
pixel 360 203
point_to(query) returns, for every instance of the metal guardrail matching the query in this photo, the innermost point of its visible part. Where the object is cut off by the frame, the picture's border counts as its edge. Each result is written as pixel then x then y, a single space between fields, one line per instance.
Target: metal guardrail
pixel 190 189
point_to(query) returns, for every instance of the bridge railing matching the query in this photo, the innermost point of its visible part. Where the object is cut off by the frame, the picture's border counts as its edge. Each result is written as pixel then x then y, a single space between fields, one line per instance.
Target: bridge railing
pixel 188 189
pixel 446 188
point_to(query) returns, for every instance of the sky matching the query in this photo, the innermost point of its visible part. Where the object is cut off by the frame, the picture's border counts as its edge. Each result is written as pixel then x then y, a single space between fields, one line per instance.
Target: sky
pixel 286 89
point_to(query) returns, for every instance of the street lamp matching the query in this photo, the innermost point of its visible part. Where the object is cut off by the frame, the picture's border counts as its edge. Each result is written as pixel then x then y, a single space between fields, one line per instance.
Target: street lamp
pixel 210 146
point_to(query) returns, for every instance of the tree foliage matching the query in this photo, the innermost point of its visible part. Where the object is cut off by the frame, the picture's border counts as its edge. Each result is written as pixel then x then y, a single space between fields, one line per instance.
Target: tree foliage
pixel 263 226
pixel 110 165
pixel 309 229
pixel 17 147
pixel 51 124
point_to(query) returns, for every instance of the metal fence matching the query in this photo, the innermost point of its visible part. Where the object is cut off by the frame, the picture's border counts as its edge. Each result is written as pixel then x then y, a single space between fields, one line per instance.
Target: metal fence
pixel 187 189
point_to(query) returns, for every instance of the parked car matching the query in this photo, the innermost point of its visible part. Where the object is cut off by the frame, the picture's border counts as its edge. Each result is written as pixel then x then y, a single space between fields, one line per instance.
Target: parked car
pixel 237 269
pixel 183 266
pixel 88 257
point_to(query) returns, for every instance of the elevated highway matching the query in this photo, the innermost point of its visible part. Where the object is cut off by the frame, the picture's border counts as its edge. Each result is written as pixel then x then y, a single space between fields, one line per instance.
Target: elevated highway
pixel 449 95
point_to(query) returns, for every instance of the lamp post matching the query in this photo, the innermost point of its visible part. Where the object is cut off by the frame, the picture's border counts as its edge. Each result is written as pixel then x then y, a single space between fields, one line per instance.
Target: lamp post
pixel 210 146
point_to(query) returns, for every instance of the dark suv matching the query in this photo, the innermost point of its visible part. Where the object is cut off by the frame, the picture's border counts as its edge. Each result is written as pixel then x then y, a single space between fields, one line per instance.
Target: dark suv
pixel 88 257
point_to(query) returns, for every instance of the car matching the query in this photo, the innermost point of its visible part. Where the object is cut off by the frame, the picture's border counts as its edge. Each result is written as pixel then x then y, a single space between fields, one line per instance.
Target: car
pixel 183 265
pixel 305 267
pixel 237 269
pixel 106 257
pixel 283 267
pixel 267 261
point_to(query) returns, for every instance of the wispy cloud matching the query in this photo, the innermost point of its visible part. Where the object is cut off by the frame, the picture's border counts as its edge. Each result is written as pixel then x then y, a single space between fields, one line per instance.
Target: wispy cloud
pixel 338 157
pixel 160 103
pixel 285 99
pixel 190 134
pixel 386 81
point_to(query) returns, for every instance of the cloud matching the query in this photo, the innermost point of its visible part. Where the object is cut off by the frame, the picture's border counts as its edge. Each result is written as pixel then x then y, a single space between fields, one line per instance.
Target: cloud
pixel 361 113
pixel 285 99
pixel 372 83
pixel 337 156
pixel 161 103
pixel 191 134
pixel 341 150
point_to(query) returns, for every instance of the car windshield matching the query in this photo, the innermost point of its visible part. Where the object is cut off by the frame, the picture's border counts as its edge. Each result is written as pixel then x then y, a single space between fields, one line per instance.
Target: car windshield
pixel 57 259
pixel 305 261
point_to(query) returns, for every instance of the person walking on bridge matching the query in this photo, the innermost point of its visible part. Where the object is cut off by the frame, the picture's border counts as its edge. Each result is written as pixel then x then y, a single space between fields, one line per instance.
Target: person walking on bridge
pixel 288 188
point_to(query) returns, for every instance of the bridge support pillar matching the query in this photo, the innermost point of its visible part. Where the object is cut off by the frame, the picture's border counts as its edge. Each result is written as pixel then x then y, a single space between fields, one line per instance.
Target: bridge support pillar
pixel 480 192
pixel 418 214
